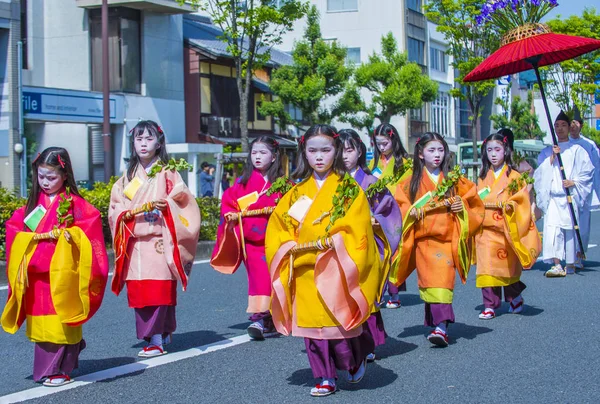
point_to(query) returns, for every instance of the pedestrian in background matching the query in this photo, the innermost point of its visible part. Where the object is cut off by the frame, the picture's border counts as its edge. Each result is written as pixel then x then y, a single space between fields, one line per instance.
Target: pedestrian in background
pixel 207 179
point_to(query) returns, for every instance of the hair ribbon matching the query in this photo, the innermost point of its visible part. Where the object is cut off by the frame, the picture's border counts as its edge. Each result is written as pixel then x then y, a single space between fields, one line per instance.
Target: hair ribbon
pixel 160 130
pixel 391 133
pixel 336 135
pixel 276 143
pixel 302 139
pixel 60 161
pixel 505 139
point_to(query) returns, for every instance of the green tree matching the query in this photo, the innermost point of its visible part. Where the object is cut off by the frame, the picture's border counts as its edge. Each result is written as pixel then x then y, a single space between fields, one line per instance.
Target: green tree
pixel 468 44
pixel 396 86
pixel 522 120
pixel 251 28
pixel 574 80
pixel 319 71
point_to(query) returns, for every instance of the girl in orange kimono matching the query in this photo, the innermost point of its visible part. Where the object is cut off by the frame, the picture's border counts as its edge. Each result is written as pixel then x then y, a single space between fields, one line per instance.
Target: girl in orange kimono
pixel 508 240
pixel 441 212
pixel 389 158
pixel 155 221
pixel 243 240
pixel 325 266
pixel 57 267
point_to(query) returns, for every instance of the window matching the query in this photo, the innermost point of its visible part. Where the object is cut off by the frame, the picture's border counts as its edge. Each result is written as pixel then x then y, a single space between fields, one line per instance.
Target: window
pixel 353 56
pixel 418 114
pixel 440 110
pixel 416 51
pixel 463 122
pixel 438 60
pixel 294 112
pixel 124 49
pixel 342 5
pixel 415 5
pixel 24 57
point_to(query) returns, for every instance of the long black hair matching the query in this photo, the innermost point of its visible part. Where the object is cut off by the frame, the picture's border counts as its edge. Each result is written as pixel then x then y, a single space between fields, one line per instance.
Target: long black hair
pixel 353 139
pixel 419 164
pixel 274 171
pixel 485 162
pixel 154 130
pixel 59 159
pixel 303 169
pixel 510 137
pixel 398 150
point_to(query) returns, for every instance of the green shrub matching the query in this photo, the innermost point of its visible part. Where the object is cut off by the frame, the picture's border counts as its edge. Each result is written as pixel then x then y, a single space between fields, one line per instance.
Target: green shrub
pixel 99 196
pixel 210 211
pixel 8 204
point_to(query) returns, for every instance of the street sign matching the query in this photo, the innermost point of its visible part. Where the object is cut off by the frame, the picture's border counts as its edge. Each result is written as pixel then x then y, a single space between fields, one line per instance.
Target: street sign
pixel 52 104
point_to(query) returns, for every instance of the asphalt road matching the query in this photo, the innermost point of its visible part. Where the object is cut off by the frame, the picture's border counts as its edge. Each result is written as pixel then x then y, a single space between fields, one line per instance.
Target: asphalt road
pixel 548 354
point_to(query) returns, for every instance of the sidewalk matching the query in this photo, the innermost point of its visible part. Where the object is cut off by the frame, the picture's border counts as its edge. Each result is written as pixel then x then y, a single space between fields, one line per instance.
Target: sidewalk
pixel 203 252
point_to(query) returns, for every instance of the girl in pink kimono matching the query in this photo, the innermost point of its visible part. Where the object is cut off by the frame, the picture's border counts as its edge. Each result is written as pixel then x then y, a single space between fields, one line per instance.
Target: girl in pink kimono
pixel 245 211
pixel 155 222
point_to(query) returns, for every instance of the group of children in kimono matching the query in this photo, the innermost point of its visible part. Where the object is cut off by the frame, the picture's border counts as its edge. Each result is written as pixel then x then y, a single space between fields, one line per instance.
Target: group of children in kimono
pixel 320 248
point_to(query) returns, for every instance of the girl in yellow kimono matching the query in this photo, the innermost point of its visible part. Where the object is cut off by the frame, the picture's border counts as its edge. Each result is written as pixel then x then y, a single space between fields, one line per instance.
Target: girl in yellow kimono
pixel 390 164
pixel 441 211
pixel 324 263
pixel 57 267
pixel 508 240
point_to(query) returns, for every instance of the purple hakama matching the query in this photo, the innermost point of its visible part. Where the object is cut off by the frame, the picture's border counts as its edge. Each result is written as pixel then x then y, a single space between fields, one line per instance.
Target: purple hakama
pixel 374 326
pixel 437 313
pixel 51 359
pixel 154 320
pixel 492 296
pixel 327 355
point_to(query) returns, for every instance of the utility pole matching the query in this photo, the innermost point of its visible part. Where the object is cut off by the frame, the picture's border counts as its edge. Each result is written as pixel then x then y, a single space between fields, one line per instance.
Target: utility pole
pixel 106 135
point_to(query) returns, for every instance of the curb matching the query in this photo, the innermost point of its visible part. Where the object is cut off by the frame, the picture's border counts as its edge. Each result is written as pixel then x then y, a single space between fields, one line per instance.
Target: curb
pixel 203 252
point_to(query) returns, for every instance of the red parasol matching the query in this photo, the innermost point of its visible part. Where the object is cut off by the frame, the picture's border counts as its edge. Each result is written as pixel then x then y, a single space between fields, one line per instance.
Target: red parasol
pixel 530 46
pixel 514 57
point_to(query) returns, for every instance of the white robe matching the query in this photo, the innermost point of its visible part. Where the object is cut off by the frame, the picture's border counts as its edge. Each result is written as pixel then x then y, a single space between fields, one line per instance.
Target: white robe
pixel 593 200
pixel 552 199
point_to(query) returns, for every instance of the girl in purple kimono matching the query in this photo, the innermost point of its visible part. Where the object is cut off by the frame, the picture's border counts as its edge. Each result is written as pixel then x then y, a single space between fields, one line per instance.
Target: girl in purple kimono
pixel 245 211
pixel 386 217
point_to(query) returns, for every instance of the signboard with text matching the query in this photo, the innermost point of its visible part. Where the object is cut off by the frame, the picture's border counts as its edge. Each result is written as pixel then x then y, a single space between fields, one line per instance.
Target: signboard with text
pixel 52 104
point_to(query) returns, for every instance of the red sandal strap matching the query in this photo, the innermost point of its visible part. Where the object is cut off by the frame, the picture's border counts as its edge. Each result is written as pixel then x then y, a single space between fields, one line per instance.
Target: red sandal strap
pixel 153 348
pixel 440 333
pixel 514 307
pixel 66 377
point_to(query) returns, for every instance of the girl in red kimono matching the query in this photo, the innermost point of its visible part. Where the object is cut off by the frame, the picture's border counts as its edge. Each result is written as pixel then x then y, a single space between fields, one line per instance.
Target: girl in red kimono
pixel 57 267
pixel 245 211
pixel 155 221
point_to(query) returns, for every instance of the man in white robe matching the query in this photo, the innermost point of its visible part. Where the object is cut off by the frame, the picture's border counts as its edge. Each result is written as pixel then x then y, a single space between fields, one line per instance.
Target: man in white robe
pixel 559 239
pixel 593 200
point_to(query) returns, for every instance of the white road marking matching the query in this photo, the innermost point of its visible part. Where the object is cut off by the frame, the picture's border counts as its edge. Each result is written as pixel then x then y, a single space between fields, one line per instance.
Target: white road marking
pixel 5 287
pixel 112 373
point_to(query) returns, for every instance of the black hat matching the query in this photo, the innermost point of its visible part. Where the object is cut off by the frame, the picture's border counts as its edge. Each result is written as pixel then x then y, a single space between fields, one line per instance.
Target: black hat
pixel 577 115
pixel 562 117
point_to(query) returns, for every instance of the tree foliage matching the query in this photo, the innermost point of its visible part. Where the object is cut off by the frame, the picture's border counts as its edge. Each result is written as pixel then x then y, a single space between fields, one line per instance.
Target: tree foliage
pixel 521 118
pixel 395 84
pixel 573 81
pixel 469 44
pixel 319 71
pixel 251 28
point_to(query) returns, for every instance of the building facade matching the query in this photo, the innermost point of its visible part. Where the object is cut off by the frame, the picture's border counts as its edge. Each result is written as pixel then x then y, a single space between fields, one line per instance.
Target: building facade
pixel 62 79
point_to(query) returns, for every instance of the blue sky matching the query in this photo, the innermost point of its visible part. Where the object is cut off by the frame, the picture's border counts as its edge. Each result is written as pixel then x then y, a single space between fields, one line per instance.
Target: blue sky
pixel 569 7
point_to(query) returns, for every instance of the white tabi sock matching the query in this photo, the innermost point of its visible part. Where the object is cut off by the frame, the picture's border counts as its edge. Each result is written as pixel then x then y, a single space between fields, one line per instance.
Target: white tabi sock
pixel 517 300
pixel 156 340
pixel 441 327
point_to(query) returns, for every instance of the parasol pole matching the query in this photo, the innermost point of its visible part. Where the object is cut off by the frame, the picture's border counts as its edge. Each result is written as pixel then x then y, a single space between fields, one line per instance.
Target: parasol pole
pixel 534 62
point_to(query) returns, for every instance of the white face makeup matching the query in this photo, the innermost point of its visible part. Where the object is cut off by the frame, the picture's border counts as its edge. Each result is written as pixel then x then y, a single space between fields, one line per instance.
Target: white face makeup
pixel 575 129
pixel 50 179
pixel 562 130
pixel 320 153
pixel 146 146
pixel 495 153
pixel 351 156
pixel 384 144
pixel 261 157
pixel 432 155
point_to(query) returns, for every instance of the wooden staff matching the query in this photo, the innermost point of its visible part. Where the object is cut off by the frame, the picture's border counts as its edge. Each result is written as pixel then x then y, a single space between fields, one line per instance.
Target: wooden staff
pixel 445 203
pixel 322 244
pixel 237 216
